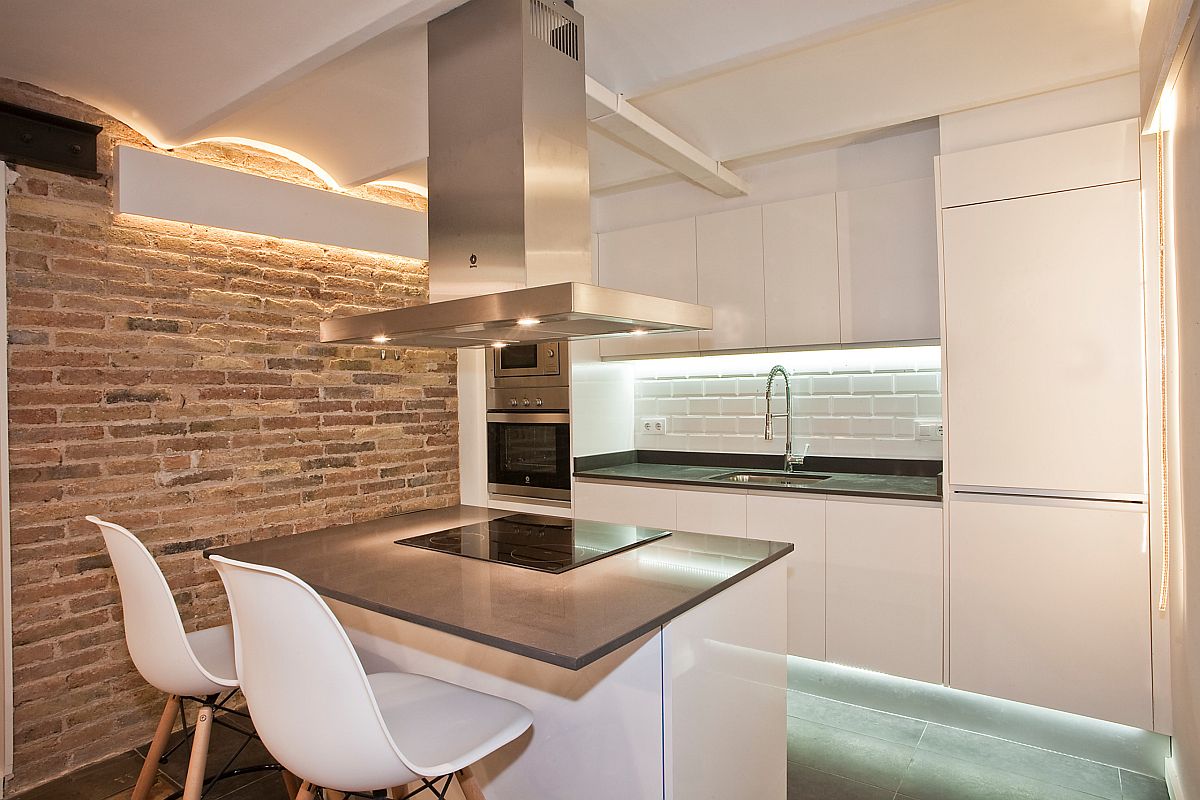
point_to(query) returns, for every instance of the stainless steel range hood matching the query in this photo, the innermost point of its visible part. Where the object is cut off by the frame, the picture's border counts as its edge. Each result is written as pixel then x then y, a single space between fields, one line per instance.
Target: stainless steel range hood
pixel 509 214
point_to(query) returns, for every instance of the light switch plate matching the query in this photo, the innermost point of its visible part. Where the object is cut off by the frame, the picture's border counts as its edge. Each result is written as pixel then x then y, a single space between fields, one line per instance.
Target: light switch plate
pixel 929 431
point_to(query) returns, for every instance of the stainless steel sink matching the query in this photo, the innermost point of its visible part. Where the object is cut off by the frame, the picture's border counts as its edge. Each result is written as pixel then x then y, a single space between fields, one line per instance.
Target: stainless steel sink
pixel 772 478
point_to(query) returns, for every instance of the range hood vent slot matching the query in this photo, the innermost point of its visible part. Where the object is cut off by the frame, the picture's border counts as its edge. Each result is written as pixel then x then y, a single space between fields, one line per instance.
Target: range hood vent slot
pixel 548 26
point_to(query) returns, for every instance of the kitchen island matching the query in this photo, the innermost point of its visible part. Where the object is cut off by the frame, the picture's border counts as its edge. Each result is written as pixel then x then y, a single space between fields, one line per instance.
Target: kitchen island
pixel 655 672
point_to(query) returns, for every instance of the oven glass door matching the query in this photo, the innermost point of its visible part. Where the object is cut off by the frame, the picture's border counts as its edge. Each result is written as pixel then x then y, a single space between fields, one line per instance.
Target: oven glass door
pixel 530 455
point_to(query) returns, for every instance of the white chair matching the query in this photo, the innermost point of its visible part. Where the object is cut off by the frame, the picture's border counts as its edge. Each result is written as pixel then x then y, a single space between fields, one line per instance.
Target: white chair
pixel 334 726
pixel 197 666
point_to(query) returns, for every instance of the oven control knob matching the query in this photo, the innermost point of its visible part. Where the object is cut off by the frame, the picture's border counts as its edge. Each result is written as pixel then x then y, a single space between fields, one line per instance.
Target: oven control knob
pixel 525 401
pixel 513 402
pixel 550 352
pixel 537 402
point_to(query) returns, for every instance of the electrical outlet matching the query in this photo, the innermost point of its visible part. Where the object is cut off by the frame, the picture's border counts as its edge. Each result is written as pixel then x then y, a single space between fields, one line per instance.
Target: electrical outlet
pixel 654 424
pixel 929 431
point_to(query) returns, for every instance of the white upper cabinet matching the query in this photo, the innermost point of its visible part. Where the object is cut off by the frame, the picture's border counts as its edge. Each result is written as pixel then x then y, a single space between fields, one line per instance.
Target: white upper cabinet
pixel 729 251
pixel 658 260
pixel 1059 162
pixel 800 261
pixel 1044 343
pixel 887 257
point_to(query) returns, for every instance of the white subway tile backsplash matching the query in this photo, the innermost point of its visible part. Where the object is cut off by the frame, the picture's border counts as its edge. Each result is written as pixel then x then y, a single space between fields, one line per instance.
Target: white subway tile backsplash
pixel 831 384
pixel 850 404
pixel 843 402
pixel 871 384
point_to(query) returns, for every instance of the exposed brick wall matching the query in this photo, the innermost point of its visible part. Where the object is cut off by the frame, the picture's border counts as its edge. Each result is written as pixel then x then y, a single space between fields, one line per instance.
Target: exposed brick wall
pixel 169 377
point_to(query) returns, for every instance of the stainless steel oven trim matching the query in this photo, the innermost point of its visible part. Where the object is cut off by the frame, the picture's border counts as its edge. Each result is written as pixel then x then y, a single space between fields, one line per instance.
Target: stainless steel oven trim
pixel 529 491
pixel 530 418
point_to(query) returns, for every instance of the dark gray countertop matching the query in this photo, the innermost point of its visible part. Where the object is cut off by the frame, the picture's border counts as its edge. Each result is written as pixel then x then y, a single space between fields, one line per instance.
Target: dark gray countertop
pixel 896 487
pixel 569 619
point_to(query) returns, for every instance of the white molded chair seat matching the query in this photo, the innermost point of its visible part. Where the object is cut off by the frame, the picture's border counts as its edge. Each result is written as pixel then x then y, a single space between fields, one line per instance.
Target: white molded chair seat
pixel 441 727
pixel 180 664
pixel 325 719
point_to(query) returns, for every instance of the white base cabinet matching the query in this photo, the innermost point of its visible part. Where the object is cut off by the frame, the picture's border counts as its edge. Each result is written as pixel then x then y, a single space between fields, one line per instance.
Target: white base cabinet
pixel 801 521
pixel 1050 605
pixel 625 504
pixel 715 511
pixel 883 587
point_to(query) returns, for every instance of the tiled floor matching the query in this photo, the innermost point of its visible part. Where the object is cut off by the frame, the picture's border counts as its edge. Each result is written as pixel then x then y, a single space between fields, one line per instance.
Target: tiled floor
pixel 836 751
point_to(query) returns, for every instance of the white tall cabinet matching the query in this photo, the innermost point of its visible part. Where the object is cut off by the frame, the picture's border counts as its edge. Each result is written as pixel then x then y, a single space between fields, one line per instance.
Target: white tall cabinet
pixel 1049 569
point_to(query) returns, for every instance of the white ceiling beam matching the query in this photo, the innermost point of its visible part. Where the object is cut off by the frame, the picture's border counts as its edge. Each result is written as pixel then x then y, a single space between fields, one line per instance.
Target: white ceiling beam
pixel 611 113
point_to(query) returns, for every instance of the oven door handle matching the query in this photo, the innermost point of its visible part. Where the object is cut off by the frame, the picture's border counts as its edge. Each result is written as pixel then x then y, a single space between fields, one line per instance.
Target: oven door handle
pixel 530 418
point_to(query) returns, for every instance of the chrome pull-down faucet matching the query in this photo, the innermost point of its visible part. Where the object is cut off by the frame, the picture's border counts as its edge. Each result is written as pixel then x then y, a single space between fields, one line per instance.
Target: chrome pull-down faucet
pixel 791 461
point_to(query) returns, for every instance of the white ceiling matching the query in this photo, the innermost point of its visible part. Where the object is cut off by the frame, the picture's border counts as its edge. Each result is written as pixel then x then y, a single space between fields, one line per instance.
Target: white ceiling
pixel 344 85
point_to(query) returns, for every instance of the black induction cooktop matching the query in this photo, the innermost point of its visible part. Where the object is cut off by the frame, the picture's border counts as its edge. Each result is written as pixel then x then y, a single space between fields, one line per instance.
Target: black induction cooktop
pixel 546 544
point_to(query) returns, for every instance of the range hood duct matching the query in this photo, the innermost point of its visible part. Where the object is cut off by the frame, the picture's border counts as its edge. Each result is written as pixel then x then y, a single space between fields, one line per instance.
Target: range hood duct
pixel 509 205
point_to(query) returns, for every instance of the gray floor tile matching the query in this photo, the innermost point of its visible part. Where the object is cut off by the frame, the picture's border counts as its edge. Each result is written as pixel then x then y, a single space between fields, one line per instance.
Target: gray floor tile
pixel 933 776
pixel 222 745
pixel 810 784
pixel 268 787
pixel 1031 762
pixel 846 754
pixel 867 721
pixel 1142 787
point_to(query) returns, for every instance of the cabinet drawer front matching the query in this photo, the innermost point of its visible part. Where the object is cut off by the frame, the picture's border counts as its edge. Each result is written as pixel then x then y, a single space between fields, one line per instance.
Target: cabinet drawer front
pixel 1050 605
pixel 884 605
pixel 648 506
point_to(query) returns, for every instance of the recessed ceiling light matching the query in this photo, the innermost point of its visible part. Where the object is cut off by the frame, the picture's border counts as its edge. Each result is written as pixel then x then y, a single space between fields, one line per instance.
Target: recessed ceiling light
pixel 638 332
pixel 381 340
pixel 498 345
pixel 529 322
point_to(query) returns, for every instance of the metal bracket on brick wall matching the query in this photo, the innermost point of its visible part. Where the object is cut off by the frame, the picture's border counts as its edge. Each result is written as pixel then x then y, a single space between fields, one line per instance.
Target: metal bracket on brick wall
pixel 48 141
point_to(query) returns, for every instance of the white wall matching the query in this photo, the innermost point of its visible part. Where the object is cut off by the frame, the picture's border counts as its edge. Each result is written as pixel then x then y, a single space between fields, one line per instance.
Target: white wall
pixel 891 156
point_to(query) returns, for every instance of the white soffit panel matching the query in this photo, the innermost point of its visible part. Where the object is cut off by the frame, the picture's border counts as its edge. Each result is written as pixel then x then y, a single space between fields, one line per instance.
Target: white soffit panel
pixel 167 187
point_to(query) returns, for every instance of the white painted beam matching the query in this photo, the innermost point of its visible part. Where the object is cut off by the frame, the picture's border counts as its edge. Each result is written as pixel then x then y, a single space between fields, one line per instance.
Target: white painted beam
pixel 612 113
pixel 167 187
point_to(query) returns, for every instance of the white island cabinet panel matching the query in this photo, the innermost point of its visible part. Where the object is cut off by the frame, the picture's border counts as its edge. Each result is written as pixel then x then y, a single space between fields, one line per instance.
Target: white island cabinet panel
pixel 887 259
pixel 801 521
pixel 800 264
pixel 1050 605
pixel 625 504
pixel 884 587
pixel 1044 345
pixel 729 253
pixel 712 511
pixel 658 260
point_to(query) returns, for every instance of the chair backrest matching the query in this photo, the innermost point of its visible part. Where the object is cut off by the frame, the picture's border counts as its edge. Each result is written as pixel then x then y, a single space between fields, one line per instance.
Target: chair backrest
pixel 304 684
pixel 154 632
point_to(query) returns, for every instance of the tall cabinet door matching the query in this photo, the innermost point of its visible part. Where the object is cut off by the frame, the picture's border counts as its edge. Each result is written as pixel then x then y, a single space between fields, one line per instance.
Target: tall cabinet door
pixel 1057 279
pixel 1049 602
pixel 658 260
pixel 887 254
pixel 729 253
pixel 800 262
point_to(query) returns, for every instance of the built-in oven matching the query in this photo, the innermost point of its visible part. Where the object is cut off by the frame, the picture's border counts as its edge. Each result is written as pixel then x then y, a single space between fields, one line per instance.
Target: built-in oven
pixel 528 421
pixel 529 454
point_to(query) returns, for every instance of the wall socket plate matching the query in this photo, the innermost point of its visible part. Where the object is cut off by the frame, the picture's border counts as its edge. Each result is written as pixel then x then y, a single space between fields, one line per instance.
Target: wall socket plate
pixel 656 425
pixel 929 431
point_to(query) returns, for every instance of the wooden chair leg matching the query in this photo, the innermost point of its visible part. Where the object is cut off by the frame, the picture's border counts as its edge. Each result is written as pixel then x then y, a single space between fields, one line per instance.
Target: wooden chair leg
pixel 307 790
pixel 468 784
pixel 291 784
pixel 193 785
pixel 333 794
pixel 396 792
pixel 158 746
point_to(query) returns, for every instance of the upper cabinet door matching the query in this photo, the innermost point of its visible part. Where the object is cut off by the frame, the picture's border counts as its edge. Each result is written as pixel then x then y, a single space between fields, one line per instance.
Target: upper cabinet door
pixel 658 260
pixel 1044 342
pixel 800 259
pixel 887 254
pixel 729 250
